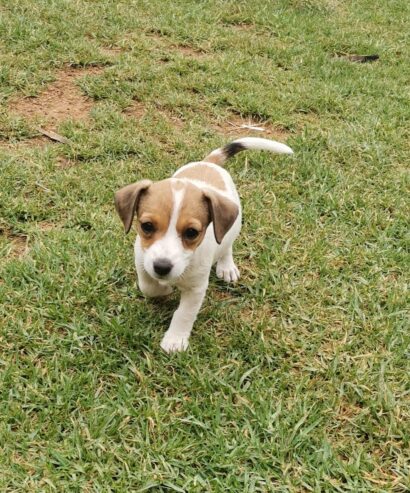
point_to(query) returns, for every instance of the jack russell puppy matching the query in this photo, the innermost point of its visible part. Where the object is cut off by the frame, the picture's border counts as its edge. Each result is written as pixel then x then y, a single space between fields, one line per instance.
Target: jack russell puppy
pixel 186 224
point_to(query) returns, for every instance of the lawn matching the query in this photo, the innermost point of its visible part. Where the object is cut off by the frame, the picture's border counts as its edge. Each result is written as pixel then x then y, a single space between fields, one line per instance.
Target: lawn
pixel 297 377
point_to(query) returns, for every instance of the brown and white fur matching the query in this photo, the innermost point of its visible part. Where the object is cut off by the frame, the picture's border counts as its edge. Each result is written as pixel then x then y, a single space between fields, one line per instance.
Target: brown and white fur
pixel 186 224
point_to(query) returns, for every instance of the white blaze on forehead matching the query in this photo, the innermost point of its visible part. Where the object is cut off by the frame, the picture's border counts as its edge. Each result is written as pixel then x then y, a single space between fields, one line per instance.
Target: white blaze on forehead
pixel 178 192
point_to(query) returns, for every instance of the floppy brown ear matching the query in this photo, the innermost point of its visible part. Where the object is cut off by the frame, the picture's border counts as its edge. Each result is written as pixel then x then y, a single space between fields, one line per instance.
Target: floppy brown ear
pixel 126 201
pixel 223 213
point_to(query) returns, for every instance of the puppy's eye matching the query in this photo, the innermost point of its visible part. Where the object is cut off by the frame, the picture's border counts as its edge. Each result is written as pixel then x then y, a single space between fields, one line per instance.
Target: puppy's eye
pixel 147 227
pixel 191 233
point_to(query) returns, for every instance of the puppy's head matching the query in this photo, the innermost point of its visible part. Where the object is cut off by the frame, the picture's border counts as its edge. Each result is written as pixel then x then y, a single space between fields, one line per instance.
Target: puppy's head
pixel 173 216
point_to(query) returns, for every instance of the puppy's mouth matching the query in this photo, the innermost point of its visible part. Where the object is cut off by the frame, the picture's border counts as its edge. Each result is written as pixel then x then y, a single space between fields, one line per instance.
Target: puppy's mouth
pixel 161 277
pixel 163 281
pixel 166 280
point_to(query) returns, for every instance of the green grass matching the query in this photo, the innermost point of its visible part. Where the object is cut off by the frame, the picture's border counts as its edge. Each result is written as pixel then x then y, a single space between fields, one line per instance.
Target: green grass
pixel 297 378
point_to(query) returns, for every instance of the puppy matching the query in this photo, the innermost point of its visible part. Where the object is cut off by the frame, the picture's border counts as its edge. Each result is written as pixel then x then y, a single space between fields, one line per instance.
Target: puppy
pixel 186 224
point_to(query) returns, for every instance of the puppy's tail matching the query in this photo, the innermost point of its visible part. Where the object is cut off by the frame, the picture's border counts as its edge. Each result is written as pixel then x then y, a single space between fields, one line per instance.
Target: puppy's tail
pixel 219 156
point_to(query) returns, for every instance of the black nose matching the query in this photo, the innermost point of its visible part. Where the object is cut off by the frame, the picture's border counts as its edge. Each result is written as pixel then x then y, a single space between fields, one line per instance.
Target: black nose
pixel 162 266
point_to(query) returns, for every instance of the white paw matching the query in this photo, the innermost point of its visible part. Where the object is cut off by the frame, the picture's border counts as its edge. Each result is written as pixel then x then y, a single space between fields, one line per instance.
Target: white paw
pixel 227 270
pixel 173 342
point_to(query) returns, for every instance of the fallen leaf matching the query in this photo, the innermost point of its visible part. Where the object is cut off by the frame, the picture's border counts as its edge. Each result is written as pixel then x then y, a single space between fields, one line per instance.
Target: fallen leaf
pixel 359 58
pixel 53 136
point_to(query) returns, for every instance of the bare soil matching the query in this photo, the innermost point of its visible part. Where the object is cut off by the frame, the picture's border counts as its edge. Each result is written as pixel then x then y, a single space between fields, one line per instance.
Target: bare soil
pixel 61 100
pixel 18 244
pixel 136 110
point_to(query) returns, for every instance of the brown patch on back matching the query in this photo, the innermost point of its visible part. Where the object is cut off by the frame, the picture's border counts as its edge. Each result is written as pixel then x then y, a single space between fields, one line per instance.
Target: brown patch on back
pixel 204 173
pixel 194 213
pixel 155 206
pixel 217 156
pixel 61 100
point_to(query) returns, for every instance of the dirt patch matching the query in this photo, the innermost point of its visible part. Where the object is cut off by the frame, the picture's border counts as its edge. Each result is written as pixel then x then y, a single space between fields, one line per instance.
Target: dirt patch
pixel 45 226
pixel 61 100
pixel 17 244
pixel 240 25
pixel 136 110
pixel 188 51
pixel 264 313
pixel 174 120
pixel 168 46
pixel 348 411
pixel 236 125
pixel 33 142
pixel 65 163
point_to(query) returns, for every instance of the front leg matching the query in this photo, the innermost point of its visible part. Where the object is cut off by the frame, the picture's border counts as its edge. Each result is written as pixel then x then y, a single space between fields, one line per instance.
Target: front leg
pixel 176 337
pixel 226 268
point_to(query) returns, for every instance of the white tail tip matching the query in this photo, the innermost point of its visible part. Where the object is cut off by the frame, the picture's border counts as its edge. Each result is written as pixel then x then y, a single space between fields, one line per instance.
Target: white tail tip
pixel 264 144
